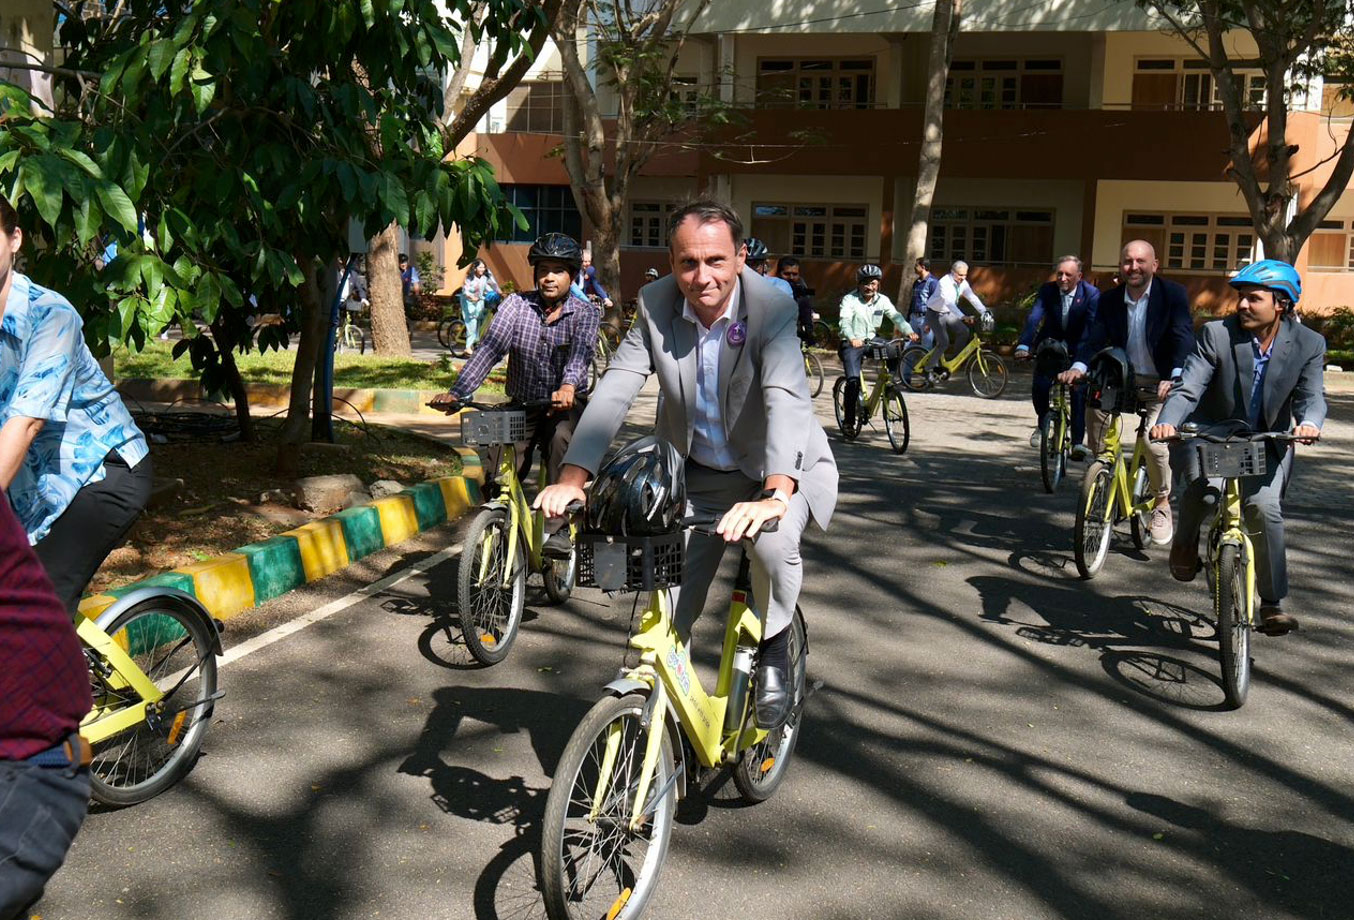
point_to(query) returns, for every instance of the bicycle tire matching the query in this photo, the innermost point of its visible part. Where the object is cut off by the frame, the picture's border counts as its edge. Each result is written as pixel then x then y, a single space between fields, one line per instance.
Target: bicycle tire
pixel 824 336
pixel 570 802
pixel 813 369
pixel 361 341
pixel 1052 456
pixel 850 429
pixel 896 423
pixel 1094 525
pixel 761 768
pixel 452 335
pixel 987 374
pixel 914 379
pixel 1234 631
pixel 490 614
pixel 559 575
pixel 164 637
pixel 1140 520
pixel 613 336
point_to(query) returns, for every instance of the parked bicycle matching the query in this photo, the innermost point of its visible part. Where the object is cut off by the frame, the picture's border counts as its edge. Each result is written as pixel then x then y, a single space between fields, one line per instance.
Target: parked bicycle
pixel 987 372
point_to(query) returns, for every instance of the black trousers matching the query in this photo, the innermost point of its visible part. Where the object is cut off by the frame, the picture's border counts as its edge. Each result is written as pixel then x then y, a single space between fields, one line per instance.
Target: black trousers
pixel 92 527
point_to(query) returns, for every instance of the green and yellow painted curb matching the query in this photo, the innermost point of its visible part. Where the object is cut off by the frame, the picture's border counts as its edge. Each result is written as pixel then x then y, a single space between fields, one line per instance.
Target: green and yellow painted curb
pixel 251 575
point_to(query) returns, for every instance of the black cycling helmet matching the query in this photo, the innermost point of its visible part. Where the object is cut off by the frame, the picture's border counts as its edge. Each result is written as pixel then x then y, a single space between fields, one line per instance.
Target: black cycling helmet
pixel 1110 382
pixel 640 491
pixel 757 251
pixel 1051 358
pixel 869 272
pixel 559 247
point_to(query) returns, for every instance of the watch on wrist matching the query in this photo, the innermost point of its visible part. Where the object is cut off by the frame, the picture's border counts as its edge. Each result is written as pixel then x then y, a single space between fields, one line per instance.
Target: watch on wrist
pixel 779 494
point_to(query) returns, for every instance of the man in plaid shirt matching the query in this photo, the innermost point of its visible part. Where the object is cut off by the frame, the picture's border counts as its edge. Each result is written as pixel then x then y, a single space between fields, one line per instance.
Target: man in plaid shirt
pixel 548 336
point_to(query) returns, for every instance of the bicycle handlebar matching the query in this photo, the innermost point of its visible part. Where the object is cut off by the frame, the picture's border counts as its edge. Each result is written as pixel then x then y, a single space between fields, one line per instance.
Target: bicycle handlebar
pixel 495 407
pixel 705 524
pixel 1235 437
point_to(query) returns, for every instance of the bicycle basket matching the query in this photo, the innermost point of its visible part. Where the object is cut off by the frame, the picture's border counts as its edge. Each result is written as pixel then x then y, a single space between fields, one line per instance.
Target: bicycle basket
pixel 882 351
pixel 499 426
pixel 629 563
pixel 986 321
pixel 1232 459
pixel 1051 358
pixel 1110 382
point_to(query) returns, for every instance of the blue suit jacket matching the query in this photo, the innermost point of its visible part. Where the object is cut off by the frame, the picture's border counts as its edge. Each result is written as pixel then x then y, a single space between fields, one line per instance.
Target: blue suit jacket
pixel 1046 317
pixel 1170 330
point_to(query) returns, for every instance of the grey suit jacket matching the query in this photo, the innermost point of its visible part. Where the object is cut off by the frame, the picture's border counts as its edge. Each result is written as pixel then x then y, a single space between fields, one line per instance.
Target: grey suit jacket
pixel 768 414
pixel 1215 384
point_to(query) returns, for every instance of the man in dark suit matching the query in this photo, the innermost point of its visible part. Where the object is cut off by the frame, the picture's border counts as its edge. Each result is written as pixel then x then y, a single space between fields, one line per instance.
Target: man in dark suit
pixel 1061 310
pixel 1149 318
pixel 1263 369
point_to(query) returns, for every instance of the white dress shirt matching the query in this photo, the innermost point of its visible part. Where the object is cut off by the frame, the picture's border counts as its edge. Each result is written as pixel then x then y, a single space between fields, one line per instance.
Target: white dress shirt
pixel 709 442
pixel 1138 352
pixel 946 297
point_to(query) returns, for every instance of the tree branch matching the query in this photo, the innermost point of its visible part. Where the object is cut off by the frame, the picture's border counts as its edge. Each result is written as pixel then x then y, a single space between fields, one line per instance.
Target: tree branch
pixel 1305 221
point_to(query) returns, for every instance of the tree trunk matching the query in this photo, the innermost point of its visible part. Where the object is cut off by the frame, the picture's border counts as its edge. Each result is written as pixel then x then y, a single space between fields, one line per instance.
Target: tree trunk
pixel 389 327
pixel 234 383
pixel 317 294
pixel 944 29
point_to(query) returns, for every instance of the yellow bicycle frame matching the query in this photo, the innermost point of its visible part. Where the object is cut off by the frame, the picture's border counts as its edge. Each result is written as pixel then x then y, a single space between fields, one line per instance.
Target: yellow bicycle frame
pixel 1060 401
pixel 953 365
pixel 523 523
pixel 102 723
pixel 1228 530
pixel 1121 490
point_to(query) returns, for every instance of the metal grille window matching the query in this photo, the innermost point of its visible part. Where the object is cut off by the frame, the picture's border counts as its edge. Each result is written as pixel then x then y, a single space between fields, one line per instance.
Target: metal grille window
pixel 648 221
pixel 1006 83
pixel 991 236
pixel 1331 247
pixel 1195 242
pixel 536 107
pixel 820 83
pixel 1189 84
pixel 547 208
pixel 812 230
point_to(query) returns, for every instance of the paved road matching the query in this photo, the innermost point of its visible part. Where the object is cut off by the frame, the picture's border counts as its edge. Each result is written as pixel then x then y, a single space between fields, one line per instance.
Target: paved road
pixel 993 738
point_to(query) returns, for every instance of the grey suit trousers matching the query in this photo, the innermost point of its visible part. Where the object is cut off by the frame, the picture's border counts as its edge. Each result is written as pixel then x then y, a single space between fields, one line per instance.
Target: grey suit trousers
pixel 1261 509
pixel 777 572
pixel 947 328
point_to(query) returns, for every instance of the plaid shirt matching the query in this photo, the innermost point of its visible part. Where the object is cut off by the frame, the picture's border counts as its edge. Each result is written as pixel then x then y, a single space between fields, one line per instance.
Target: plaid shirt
pixel 542 356
pixel 44 681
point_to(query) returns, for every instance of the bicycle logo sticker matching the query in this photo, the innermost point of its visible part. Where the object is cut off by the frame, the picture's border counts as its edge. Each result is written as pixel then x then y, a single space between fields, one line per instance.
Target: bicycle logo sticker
pixel 678 665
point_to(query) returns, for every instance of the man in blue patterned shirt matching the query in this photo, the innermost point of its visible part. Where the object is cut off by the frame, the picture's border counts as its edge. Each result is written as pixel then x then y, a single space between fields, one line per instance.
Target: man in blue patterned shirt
pixel 74 463
pixel 549 337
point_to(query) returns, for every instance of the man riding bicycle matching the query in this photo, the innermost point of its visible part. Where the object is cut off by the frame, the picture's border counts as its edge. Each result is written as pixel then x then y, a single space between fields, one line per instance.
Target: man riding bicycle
pixel 1262 369
pixel 759 261
pixel 944 315
pixel 549 337
pixel 1060 313
pixel 863 311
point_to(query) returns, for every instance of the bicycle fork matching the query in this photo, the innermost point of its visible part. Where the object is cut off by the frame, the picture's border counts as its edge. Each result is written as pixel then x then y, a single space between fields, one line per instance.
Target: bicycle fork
pixel 654 723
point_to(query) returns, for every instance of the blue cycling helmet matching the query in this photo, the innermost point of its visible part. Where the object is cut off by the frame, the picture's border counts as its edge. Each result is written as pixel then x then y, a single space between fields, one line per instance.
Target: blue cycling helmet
pixel 1279 277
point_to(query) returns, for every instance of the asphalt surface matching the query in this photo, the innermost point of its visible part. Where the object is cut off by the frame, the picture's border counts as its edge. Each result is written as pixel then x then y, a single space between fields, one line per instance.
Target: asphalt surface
pixel 993 737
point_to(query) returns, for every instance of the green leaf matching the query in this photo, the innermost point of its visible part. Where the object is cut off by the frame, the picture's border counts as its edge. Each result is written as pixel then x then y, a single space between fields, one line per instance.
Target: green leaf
pixel 153 273
pixel 117 205
pixel 368 13
pixel 87 219
pixel 127 310
pixel 160 56
pixel 43 181
pixel 203 87
pixel 8 160
pixel 82 160
pixel 179 70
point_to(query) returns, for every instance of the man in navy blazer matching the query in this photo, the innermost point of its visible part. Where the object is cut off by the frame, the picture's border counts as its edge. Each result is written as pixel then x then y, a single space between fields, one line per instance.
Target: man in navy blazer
pixel 1149 318
pixel 1061 311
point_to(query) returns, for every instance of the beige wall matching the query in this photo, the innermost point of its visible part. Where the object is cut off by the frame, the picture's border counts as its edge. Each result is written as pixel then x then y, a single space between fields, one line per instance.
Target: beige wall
pixel 1113 198
pixel 1122 49
pixel 871 17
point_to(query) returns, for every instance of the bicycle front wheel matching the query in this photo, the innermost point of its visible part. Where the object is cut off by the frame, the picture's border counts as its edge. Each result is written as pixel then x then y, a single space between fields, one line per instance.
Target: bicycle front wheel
pixel 1052 457
pixel 824 336
pixel 451 333
pixel 1230 598
pixel 896 423
pixel 1094 525
pixel 593 863
pixel 491 589
pixel 913 368
pixel 987 374
pixel 813 368
pixel 560 574
pixel 174 646
pixel 849 427
pixel 761 769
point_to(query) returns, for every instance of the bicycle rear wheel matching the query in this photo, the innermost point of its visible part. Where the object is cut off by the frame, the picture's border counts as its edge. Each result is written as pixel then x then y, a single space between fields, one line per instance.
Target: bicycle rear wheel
pixel 491 589
pixel 914 374
pixel 850 428
pixel 596 865
pixel 761 768
pixel 824 336
pixel 451 333
pixel 1094 525
pixel 1052 456
pixel 813 367
pixel 987 374
pixel 1139 520
pixel 174 646
pixel 1230 597
pixel 896 423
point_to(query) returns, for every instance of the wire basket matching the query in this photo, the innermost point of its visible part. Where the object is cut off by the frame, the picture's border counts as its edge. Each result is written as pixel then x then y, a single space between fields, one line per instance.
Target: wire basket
pixel 882 351
pixel 629 563
pixel 488 428
pixel 1232 459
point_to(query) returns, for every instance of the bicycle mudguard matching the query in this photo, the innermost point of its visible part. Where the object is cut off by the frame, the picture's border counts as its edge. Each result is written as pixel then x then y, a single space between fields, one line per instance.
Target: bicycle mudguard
pixel 181 598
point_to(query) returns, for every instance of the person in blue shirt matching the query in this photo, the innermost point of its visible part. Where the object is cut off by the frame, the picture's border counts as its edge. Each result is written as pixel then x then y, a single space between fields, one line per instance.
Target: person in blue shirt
pixel 409 279
pixel 758 259
pixel 76 467
pixel 587 285
pixel 922 289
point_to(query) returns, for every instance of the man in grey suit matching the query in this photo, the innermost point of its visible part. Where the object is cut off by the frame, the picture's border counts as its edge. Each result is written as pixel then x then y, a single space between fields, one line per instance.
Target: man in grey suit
pixel 734 400
pixel 1263 370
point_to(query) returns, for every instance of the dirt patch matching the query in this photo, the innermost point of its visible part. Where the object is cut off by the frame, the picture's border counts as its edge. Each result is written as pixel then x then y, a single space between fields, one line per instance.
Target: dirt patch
pixel 218 507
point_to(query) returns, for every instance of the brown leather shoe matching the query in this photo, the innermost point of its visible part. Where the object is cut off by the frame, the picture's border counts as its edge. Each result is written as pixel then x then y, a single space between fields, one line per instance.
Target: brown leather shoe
pixel 1274 622
pixel 1185 559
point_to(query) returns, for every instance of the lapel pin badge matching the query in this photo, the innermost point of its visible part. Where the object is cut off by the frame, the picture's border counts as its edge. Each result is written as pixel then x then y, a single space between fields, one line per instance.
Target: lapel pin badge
pixel 738 334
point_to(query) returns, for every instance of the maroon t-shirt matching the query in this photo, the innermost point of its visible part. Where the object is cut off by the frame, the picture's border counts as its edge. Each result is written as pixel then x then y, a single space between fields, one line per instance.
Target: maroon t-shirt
pixel 44 681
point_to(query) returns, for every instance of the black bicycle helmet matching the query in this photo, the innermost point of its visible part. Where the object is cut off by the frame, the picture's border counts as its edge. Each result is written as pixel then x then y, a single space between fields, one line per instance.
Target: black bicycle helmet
pixel 869 272
pixel 1051 358
pixel 757 251
pixel 559 247
pixel 639 491
pixel 1110 382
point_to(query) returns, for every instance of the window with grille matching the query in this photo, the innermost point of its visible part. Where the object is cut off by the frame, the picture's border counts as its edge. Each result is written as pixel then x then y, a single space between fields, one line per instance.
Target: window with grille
pixel 990 236
pixel 536 107
pixel 1005 83
pixel 547 208
pixel 648 224
pixel 1175 83
pixel 1331 247
pixel 1195 241
pixel 812 230
pixel 819 83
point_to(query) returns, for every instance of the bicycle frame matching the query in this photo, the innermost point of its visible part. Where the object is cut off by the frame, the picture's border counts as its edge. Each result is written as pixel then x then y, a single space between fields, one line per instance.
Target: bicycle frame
pixel 1122 489
pixel 99 724
pixel 953 365
pixel 1227 530
pixel 881 384
pixel 523 523
pixel 1060 401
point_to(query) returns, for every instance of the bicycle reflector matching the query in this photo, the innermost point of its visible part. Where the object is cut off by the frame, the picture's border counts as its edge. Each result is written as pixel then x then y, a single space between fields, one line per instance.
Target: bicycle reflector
pixel 1110 382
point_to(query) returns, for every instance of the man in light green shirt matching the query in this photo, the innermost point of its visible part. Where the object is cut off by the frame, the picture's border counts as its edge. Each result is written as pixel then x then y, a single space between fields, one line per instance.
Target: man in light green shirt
pixel 862 313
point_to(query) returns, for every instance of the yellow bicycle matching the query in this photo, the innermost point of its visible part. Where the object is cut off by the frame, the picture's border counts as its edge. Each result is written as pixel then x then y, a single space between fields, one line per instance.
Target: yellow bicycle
pixel 987 372
pixel 885 397
pixel 609 815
